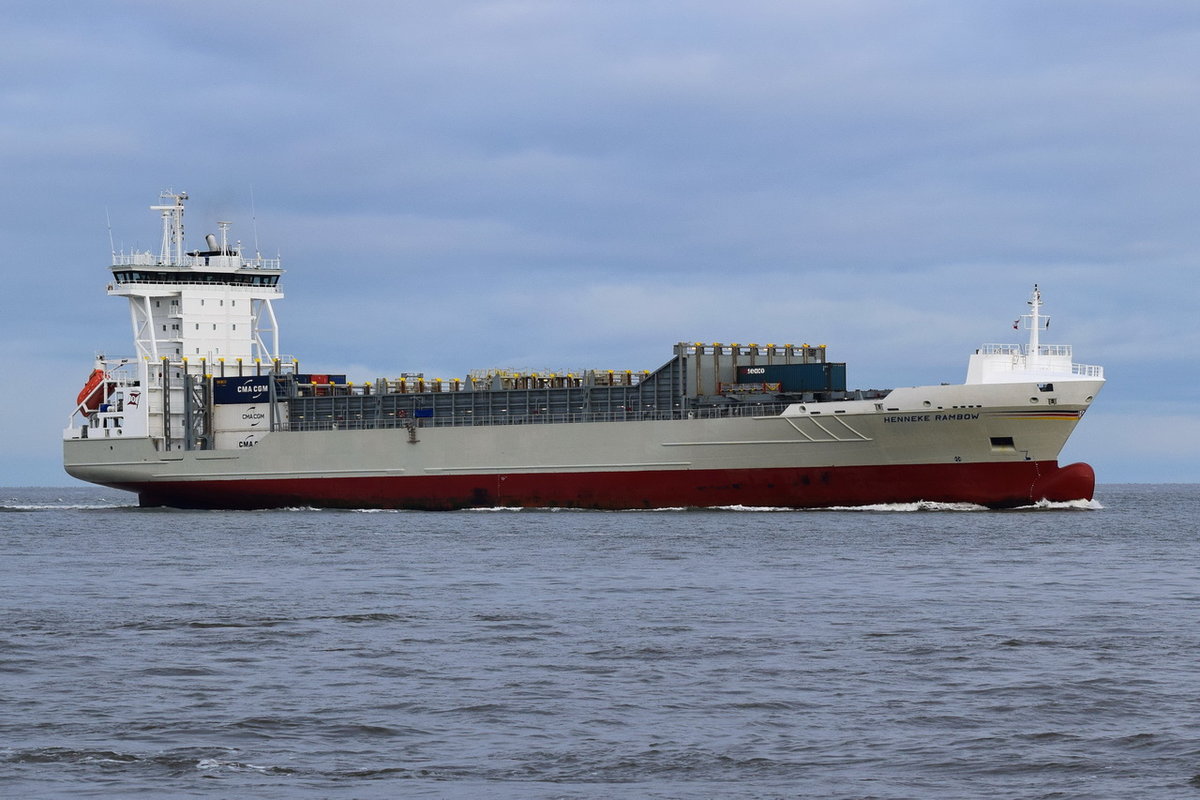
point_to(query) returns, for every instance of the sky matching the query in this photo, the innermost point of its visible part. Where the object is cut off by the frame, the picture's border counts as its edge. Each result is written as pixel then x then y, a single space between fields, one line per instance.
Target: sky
pixel 545 184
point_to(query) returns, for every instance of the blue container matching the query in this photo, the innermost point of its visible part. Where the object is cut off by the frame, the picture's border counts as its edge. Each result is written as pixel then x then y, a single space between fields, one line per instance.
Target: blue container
pixel 239 390
pixel 819 377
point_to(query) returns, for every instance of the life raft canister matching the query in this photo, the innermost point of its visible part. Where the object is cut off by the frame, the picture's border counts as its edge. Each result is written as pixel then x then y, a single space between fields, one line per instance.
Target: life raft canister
pixel 89 398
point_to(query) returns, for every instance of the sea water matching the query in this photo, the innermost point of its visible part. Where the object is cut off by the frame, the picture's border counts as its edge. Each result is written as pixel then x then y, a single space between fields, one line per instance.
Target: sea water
pixel 891 652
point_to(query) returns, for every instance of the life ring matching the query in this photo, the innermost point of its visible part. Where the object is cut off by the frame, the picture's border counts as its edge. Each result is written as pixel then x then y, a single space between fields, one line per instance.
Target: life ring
pixel 89 399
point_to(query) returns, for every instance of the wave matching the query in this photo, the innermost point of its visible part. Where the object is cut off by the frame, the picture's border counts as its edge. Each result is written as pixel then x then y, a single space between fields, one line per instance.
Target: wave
pixel 929 505
pixel 175 761
pixel 920 505
pixel 22 507
pixel 206 764
pixel 1068 505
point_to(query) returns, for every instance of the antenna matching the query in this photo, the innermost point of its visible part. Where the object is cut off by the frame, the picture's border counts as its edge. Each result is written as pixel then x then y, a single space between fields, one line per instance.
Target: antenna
pixel 112 247
pixel 254 221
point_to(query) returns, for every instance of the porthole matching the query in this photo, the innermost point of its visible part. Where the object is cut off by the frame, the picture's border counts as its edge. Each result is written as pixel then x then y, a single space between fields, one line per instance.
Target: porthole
pixel 1033 399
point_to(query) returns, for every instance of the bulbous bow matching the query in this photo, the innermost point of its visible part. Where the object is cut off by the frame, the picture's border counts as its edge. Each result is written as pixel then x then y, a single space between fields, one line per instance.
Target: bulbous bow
pixel 1072 482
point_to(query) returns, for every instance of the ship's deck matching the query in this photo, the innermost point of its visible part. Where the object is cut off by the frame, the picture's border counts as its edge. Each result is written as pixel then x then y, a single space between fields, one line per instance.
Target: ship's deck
pixel 531 407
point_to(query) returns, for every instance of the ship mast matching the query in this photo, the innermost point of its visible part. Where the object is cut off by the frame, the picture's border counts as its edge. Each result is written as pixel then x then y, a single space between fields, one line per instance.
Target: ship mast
pixel 171 251
pixel 1035 322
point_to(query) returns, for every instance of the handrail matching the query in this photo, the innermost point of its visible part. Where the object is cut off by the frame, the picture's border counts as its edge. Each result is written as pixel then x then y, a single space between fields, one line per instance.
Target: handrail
pixel 470 420
pixel 1024 361
pixel 1023 350
pixel 233 284
pixel 150 260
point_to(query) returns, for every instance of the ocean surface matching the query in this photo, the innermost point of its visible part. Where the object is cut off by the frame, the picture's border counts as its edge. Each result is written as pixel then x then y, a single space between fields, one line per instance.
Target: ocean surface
pixel 893 652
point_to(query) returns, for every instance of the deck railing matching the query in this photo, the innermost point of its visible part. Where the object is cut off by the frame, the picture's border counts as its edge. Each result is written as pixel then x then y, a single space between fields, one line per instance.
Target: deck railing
pixel 1023 350
pixel 364 422
pixel 1024 362
pixel 151 260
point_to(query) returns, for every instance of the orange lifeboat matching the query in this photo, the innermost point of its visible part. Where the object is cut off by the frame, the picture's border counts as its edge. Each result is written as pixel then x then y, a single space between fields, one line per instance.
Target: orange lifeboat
pixel 92 395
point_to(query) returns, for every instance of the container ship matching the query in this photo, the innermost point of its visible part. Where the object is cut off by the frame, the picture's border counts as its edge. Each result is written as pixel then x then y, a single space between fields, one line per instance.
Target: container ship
pixel 206 413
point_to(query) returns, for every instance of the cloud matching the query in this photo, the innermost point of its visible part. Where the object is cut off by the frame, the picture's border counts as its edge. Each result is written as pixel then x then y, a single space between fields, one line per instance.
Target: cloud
pixel 464 184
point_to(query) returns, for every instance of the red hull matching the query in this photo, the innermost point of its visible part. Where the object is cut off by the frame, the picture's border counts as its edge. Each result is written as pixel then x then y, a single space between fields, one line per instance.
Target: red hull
pixel 993 485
